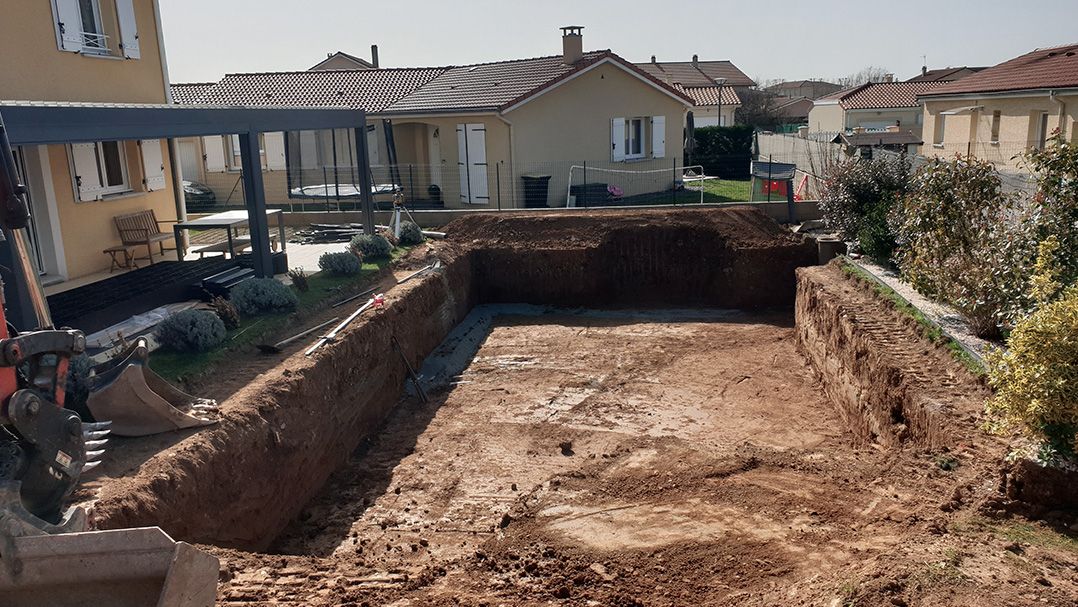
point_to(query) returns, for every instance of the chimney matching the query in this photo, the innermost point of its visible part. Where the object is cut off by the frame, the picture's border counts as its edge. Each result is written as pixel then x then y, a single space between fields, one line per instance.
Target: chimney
pixel 695 60
pixel 653 59
pixel 889 78
pixel 572 44
pixel 924 70
pixel 374 55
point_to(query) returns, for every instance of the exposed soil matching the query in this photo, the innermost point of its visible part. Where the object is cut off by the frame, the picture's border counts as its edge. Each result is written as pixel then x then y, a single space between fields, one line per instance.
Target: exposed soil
pixel 727 458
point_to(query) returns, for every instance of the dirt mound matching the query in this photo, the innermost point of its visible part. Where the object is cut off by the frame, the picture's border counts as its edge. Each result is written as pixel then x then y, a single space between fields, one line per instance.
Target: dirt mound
pixel 739 227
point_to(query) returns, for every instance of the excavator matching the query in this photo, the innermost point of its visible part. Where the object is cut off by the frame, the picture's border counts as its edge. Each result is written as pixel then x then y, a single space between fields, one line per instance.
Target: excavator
pixel 46 555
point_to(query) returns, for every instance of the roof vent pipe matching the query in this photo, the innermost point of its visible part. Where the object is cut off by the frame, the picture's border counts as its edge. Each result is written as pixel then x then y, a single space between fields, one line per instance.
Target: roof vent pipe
pixel 572 44
pixel 653 59
pixel 695 60
pixel 374 55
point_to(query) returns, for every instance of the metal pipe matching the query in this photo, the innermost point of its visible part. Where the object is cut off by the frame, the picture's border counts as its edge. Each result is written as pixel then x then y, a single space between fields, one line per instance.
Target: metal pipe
pixel 344 323
pixel 1062 113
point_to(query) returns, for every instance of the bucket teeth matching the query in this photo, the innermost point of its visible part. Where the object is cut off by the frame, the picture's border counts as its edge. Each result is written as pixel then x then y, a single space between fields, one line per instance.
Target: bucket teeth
pixel 93 455
pixel 92 426
pixel 89 435
pixel 201 407
pixel 96 444
pixel 90 466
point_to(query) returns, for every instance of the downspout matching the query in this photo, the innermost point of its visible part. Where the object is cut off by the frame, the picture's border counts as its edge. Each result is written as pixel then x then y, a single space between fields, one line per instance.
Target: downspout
pixel 512 154
pixel 173 151
pixel 1062 113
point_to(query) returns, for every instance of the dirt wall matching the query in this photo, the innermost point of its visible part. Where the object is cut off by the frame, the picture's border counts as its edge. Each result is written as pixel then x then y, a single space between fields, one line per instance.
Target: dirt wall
pixel 890 384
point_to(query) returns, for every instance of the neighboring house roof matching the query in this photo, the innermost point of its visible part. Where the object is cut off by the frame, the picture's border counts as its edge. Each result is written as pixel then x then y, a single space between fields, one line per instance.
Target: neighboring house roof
pixel 369 90
pixel 793 107
pixel 709 95
pixel 880 95
pixel 698 73
pixel 360 63
pixel 946 74
pixel 1044 68
pixel 498 86
pixel 878 138
pixel 187 93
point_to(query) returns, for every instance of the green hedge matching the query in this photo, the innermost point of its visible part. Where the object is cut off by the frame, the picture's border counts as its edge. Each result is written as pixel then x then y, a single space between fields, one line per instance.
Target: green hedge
pixel 724 151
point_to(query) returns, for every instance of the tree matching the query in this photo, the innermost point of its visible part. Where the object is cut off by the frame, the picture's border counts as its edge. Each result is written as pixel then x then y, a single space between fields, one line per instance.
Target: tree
pixel 869 74
pixel 758 110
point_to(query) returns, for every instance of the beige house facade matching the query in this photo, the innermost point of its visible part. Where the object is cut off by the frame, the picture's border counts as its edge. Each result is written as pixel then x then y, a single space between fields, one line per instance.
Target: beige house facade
pixel 1001 112
pixel 97 51
pixel 876 106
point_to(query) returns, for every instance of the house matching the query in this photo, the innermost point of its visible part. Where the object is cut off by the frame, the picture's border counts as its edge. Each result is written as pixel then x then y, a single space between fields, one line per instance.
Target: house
pixel 1002 111
pixel 793 110
pixel 712 105
pixel 874 106
pixel 464 136
pixel 892 139
pixel 811 89
pixel 343 61
pixel 102 51
pixel 947 74
pixel 697 73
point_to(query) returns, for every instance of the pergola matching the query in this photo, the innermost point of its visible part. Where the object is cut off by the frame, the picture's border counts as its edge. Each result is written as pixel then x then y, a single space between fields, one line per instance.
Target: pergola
pixel 40 123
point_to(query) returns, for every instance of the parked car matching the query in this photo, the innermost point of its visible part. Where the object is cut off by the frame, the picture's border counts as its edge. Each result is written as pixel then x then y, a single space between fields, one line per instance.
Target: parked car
pixel 198 196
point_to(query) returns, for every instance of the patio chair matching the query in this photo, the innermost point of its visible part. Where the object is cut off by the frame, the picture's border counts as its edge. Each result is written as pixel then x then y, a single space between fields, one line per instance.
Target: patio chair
pixel 142 229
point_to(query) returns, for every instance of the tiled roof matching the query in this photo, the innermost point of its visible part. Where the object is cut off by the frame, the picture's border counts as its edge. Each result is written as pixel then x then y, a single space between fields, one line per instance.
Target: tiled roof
pixel 878 138
pixel 881 95
pixel 1055 67
pixel 188 92
pixel 369 90
pixel 702 73
pixel 792 107
pixel 709 95
pixel 361 62
pixel 946 74
pixel 498 85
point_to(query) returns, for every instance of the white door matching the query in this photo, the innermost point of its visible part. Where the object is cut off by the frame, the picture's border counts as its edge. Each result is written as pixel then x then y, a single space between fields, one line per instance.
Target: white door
pixel 190 163
pixel 472 163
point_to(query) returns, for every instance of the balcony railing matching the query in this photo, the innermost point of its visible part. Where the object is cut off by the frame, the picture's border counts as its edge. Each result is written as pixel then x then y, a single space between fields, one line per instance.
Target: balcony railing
pixel 93 42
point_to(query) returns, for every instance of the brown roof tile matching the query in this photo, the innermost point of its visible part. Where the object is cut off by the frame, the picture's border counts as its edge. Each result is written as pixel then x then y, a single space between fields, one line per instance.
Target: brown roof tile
pixel 946 74
pixel 881 95
pixel 709 95
pixel 702 73
pixel 369 90
pixel 1055 67
pixel 187 93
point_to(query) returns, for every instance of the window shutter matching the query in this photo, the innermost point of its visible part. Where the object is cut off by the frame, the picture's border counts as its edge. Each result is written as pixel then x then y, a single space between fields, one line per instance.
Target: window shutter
pixel 308 150
pixel 68 25
pixel 213 151
pixel 87 176
pixel 153 165
pixel 478 185
pixel 125 14
pixel 274 146
pixel 617 139
pixel 462 163
pixel 372 144
pixel 658 136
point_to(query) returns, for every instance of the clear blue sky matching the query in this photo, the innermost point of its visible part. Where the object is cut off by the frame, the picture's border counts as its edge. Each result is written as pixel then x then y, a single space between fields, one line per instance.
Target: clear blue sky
pixel 788 39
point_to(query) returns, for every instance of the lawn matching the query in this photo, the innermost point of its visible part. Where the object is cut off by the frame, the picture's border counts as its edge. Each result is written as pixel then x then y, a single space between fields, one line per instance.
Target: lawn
pixel 324 289
pixel 718 190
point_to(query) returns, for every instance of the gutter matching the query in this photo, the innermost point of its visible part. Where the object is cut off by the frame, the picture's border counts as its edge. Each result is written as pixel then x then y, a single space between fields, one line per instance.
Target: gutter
pixel 1062 113
pixel 173 151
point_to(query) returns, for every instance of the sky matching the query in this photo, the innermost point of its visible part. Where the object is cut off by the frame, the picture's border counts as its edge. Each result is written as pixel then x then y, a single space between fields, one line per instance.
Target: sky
pixel 779 39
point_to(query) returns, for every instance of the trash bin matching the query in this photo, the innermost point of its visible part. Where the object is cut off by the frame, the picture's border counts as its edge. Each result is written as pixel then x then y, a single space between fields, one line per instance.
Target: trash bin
pixel 535 191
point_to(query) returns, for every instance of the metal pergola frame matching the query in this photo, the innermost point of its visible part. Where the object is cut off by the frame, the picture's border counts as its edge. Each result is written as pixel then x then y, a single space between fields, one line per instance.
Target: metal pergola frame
pixel 42 123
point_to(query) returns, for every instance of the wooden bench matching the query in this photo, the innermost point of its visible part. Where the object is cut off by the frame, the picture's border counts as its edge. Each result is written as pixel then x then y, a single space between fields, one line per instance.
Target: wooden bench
pixel 142 229
pixel 238 242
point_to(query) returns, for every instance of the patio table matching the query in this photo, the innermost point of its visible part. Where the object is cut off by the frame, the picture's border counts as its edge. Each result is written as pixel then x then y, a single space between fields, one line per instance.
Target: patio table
pixel 228 221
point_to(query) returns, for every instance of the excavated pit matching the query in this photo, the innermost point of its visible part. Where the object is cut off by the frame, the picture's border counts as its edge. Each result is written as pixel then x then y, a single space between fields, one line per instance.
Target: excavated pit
pixel 629 396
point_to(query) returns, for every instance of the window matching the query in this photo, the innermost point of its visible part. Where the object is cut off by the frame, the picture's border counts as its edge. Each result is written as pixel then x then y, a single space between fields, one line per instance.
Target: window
pixel 996 117
pixel 81 29
pixel 1042 130
pixel 100 169
pixel 94 39
pixel 634 138
pixel 937 134
pixel 235 160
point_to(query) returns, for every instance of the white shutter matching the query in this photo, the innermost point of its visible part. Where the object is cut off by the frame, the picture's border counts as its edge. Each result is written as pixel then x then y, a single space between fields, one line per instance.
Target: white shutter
pixel 68 25
pixel 462 163
pixel 308 150
pixel 125 14
pixel 478 186
pixel 274 143
pixel 213 150
pixel 658 136
pixel 372 145
pixel 87 175
pixel 617 139
pixel 153 165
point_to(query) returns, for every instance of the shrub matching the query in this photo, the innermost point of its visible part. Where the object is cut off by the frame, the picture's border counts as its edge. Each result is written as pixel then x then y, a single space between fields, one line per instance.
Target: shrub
pixel 79 382
pixel 299 280
pixel 342 263
pixel 857 198
pixel 371 246
pixel 226 311
pixel 411 234
pixel 191 331
pixel 1036 380
pixel 964 241
pixel 260 295
pixel 1055 169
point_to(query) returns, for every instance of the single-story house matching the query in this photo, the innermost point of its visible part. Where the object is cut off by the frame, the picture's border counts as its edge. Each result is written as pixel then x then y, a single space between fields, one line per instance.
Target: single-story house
pixel 697 73
pixel 712 105
pixel 893 139
pixel 873 106
pixel 1002 111
pixel 812 89
pixel 462 135
pixel 946 74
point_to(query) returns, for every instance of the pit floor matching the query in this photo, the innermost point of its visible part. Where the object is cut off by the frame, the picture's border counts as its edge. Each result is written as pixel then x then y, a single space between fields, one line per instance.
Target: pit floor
pixel 591 460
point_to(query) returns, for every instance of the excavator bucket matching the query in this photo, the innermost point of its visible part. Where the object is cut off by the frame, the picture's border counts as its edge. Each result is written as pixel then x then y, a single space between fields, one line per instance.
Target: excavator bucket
pixel 119 568
pixel 139 402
